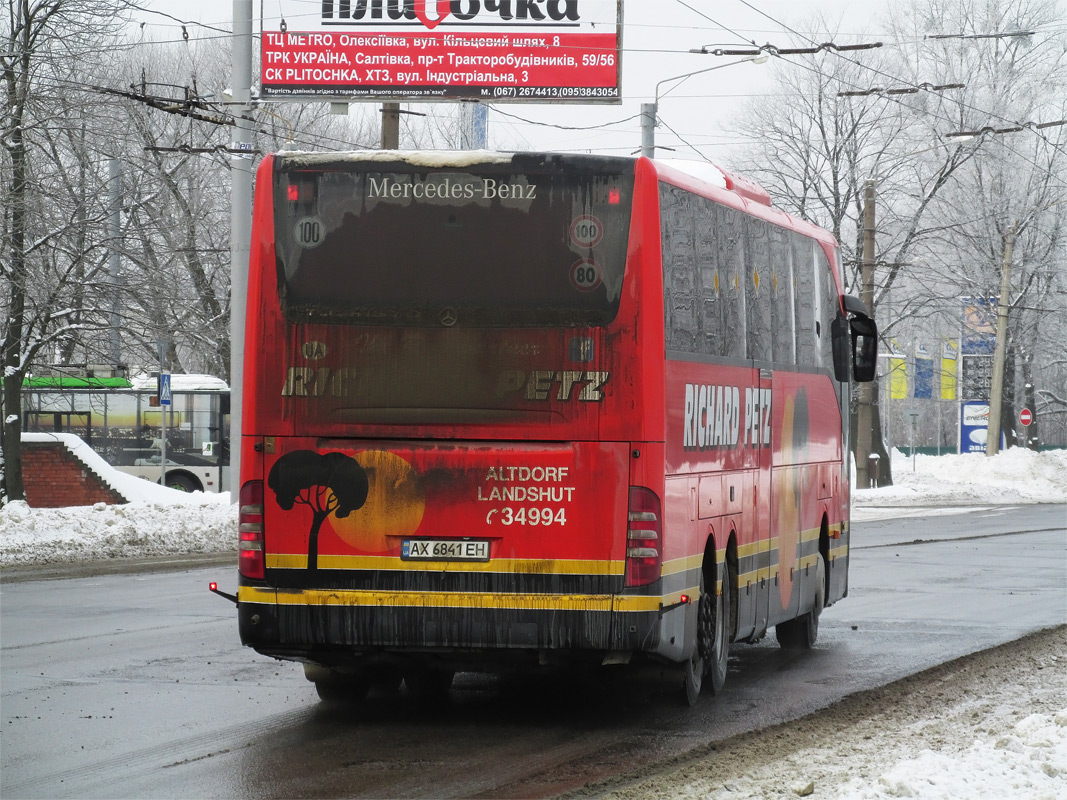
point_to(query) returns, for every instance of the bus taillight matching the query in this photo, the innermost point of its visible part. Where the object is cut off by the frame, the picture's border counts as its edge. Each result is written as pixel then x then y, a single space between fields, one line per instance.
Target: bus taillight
pixel 643 556
pixel 250 528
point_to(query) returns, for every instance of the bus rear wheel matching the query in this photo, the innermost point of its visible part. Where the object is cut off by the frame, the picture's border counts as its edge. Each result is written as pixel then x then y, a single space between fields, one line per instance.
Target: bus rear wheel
pixel 334 686
pixel 801 633
pixel 429 683
pixel 697 665
pixel 716 635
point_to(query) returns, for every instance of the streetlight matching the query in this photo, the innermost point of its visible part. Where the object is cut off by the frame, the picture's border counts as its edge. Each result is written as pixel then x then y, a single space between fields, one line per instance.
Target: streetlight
pixel 649 110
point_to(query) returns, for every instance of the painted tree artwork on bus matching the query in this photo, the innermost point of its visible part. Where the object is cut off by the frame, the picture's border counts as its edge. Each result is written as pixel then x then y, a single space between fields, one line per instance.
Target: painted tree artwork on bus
pixel 327 483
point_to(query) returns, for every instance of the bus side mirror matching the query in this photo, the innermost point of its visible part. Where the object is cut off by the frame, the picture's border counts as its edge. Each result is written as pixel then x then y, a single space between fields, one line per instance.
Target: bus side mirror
pixel 855 343
pixel 864 349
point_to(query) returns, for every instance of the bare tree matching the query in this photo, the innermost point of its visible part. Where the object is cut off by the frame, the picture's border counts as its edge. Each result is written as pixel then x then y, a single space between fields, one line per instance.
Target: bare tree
pixel 815 150
pixel 44 249
pixel 1015 63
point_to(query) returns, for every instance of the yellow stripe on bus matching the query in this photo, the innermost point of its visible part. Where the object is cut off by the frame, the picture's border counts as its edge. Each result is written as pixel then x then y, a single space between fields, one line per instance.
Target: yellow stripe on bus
pixel 483 600
pixel 528 566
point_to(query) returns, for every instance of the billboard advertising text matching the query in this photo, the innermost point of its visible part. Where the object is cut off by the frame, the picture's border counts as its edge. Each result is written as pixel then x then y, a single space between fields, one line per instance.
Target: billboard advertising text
pixel 488 50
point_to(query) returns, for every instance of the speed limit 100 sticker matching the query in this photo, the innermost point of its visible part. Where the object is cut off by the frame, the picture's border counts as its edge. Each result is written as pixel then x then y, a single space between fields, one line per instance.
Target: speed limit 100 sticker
pixel 586 231
pixel 309 232
pixel 585 275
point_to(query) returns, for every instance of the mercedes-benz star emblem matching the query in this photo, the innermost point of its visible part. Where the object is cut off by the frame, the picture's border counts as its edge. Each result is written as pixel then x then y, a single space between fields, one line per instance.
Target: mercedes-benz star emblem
pixel 448 317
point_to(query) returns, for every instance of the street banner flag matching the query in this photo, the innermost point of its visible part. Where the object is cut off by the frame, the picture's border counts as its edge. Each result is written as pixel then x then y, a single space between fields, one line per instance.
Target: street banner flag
pixel 924 373
pixel 949 350
pixel 898 372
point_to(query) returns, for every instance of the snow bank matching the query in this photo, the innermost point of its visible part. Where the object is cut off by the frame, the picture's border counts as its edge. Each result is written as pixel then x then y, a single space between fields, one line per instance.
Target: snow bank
pixel 90 533
pixel 1016 475
pixel 1030 762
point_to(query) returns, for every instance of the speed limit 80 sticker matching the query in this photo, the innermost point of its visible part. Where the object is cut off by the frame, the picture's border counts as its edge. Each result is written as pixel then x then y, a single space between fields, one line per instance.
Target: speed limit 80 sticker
pixel 585 275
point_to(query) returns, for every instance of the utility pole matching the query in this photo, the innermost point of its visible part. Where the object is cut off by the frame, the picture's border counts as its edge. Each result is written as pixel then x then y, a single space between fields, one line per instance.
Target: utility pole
pixel 164 407
pixel 648 130
pixel 996 394
pixel 649 111
pixel 240 224
pixel 114 265
pixel 390 126
pixel 865 392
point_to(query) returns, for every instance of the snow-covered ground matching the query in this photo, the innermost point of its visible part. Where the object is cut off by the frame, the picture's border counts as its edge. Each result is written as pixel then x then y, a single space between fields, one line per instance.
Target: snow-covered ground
pixel 1027 759
pixel 164 522
pixel 158 521
pixel 1011 477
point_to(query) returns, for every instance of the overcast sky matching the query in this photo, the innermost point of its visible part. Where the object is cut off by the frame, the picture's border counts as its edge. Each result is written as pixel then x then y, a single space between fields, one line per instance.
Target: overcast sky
pixel 657 37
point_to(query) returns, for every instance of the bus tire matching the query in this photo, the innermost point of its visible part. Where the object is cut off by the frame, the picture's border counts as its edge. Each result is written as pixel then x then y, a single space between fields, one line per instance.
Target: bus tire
pixel 429 683
pixel 333 686
pixel 717 645
pixel 695 666
pixel 182 482
pixel 801 633
pixel 389 681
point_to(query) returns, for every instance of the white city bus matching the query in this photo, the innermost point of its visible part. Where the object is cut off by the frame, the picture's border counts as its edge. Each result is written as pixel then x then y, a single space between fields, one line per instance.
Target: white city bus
pixel 120 419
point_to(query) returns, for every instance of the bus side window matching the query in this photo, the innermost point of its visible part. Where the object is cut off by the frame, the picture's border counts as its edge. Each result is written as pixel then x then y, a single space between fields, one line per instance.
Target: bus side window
pixel 711 285
pixel 757 290
pixel 783 320
pixel 732 259
pixel 805 302
pixel 681 309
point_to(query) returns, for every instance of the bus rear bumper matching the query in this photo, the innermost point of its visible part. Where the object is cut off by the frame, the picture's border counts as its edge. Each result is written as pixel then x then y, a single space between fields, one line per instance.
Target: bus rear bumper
pixel 336 634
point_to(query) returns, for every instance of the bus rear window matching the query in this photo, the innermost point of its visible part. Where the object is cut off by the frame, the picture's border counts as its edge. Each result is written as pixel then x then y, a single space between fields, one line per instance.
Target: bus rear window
pixel 476 247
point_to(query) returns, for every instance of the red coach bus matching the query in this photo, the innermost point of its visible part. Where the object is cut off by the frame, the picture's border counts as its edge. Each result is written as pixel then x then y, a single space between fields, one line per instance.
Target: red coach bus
pixel 509 411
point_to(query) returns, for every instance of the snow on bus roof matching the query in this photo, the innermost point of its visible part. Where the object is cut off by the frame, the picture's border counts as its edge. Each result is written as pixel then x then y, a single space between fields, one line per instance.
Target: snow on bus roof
pixel 417 158
pixel 717 176
pixel 701 170
pixel 181 382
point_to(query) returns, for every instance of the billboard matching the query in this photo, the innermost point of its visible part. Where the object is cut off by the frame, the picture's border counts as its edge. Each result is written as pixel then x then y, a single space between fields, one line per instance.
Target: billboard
pixel 406 50
pixel 974 427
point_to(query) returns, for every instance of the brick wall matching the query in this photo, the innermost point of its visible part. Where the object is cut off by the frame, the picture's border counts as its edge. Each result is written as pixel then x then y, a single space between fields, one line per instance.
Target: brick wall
pixel 54 478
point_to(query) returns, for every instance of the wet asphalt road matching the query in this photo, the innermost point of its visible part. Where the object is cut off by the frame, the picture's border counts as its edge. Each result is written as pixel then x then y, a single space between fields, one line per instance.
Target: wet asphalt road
pixel 135 686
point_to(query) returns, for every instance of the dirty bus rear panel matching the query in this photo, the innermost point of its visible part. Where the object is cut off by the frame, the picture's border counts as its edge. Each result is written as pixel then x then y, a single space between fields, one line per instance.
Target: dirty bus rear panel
pixel 443 452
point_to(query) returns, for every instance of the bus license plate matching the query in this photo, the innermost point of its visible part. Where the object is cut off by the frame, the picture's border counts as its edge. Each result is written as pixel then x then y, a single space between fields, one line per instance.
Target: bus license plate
pixel 444 550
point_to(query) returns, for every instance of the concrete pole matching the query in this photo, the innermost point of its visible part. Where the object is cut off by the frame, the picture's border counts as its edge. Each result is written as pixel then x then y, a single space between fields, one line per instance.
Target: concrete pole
pixel 114 266
pixel 648 130
pixel 996 394
pixel 240 224
pixel 390 126
pixel 865 394
pixel 162 413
